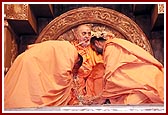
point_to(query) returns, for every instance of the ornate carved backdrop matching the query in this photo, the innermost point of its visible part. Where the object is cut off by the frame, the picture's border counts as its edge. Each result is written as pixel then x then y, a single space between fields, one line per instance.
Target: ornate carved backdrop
pixel 102 20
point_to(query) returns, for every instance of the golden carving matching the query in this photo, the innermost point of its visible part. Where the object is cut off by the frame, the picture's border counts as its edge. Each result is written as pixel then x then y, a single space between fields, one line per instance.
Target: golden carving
pixel 124 27
pixel 14 51
pixel 160 8
pixel 16 11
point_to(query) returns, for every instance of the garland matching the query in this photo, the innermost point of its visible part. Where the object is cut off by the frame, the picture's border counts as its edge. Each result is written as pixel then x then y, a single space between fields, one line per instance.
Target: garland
pixel 84 100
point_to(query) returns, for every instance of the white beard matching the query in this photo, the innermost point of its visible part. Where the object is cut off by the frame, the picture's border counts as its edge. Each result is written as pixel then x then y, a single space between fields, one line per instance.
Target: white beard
pixel 85 44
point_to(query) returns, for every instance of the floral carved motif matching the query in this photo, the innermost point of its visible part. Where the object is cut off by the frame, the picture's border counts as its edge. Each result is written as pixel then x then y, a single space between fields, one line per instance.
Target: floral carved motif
pixel 119 23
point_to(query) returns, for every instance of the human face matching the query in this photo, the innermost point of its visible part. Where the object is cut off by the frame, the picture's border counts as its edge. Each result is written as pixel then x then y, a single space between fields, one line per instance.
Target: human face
pixel 84 35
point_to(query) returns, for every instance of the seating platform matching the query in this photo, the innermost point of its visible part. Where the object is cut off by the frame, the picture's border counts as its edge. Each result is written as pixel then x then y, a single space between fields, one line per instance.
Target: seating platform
pixel 108 108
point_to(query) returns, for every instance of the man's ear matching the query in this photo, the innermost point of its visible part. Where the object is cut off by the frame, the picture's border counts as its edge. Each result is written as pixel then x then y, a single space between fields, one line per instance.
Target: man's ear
pixel 75 33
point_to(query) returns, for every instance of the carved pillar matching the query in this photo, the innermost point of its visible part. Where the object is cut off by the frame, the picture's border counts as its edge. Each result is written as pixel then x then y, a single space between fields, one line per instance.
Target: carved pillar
pixel 19 20
pixel 10 46
pixel 157 34
pixel 157 17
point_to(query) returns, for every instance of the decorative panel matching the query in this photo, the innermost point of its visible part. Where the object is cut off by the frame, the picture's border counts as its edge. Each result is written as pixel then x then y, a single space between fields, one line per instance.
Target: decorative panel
pixel 21 18
pixel 96 15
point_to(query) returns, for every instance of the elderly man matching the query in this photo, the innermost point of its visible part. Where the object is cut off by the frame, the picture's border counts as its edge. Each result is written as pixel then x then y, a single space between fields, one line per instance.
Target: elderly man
pixel 90 74
pixel 42 76
pixel 132 75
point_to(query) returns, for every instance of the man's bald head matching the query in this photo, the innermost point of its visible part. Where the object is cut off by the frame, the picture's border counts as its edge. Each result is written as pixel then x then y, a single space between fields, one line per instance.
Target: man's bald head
pixel 83 34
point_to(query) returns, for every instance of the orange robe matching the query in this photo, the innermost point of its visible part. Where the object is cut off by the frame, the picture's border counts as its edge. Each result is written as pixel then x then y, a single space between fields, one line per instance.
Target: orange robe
pixel 132 75
pixel 41 76
pixel 90 81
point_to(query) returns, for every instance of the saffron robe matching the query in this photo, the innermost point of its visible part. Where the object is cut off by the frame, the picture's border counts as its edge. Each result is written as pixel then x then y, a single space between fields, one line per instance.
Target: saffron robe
pixel 89 76
pixel 41 76
pixel 132 75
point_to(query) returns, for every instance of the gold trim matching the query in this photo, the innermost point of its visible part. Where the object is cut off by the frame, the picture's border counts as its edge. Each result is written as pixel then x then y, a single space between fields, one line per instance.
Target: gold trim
pixel 16 11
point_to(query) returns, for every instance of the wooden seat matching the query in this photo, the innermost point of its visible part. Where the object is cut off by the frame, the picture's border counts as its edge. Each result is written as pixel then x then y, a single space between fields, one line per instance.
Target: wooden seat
pixel 101 19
